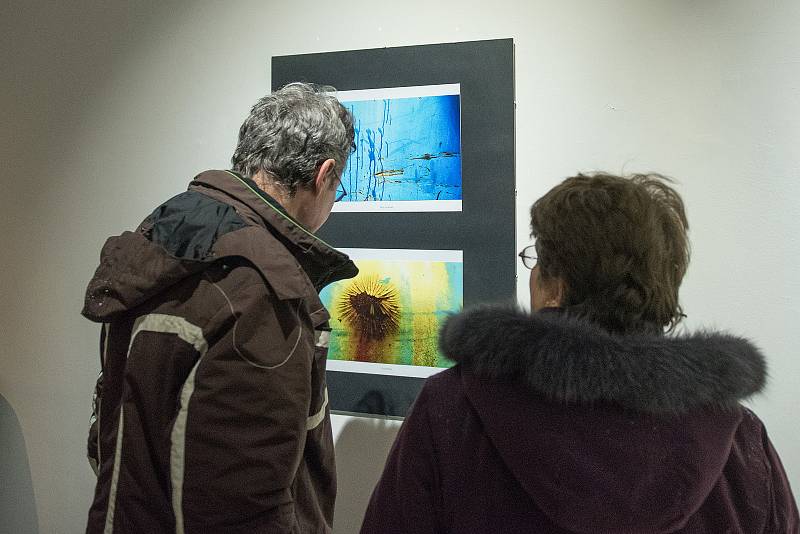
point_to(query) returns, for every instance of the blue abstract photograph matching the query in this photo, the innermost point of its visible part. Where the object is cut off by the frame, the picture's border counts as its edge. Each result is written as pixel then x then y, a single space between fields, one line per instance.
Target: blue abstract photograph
pixel 407 150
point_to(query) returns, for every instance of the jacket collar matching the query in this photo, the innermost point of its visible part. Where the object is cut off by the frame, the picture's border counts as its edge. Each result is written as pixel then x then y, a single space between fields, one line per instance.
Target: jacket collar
pixel 321 262
pixel 572 361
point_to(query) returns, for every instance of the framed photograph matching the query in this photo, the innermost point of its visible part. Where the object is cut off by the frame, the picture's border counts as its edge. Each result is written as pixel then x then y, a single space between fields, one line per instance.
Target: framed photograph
pixel 407 150
pixel 386 320
pixel 425 208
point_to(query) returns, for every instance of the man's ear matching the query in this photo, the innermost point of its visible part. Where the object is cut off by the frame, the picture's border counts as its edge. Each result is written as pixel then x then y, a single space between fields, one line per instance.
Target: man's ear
pixel 325 174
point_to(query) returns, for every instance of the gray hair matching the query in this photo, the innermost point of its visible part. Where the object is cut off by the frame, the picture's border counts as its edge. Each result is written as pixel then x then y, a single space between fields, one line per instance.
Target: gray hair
pixel 290 132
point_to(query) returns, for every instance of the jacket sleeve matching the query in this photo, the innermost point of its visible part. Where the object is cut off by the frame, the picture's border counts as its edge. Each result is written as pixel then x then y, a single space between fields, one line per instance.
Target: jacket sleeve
pixel 783 517
pixel 405 499
pixel 92 443
pixel 245 420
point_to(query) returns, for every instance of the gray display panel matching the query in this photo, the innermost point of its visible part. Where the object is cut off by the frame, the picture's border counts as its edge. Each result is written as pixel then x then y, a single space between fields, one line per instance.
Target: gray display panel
pixel 484 228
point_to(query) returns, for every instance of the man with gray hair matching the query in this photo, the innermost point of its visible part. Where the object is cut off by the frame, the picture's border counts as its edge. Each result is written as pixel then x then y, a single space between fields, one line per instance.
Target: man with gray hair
pixel 211 411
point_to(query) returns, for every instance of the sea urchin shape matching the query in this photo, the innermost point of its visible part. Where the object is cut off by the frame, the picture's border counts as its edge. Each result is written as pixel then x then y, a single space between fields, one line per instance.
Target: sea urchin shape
pixel 371 308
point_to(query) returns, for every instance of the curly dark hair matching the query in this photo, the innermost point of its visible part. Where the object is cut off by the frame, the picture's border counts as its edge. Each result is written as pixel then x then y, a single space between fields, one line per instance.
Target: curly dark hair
pixel 619 244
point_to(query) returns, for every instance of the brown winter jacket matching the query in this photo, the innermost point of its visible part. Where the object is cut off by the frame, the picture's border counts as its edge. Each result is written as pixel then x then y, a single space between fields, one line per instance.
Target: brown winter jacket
pixel 211 410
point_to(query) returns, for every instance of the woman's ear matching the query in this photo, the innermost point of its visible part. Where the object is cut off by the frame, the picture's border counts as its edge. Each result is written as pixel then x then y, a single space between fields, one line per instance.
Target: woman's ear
pixel 559 290
pixel 555 292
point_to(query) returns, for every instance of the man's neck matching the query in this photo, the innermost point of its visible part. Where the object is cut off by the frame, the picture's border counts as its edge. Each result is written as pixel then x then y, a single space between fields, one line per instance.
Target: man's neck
pixel 273 189
pixel 296 205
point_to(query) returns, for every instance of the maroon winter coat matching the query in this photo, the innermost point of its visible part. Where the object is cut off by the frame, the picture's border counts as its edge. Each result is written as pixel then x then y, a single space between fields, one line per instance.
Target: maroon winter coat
pixel 551 425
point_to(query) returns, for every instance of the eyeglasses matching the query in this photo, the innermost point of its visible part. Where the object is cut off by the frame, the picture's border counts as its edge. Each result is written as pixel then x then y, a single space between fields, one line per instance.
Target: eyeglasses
pixel 341 192
pixel 528 256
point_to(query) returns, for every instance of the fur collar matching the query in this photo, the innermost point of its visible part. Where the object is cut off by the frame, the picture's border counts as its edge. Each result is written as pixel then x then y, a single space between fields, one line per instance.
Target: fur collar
pixel 570 360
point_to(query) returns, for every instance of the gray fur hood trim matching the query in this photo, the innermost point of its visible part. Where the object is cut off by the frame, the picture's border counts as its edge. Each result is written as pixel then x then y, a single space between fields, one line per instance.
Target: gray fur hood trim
pixel 571 360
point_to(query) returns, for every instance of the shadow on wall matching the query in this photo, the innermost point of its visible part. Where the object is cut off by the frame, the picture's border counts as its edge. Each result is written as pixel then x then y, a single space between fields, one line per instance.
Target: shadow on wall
pixel 17 504
pixel 361 450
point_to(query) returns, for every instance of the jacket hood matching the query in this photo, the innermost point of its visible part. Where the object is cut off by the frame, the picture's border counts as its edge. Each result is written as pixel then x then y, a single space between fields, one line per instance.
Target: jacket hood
pixel 132 270
pixel 220 216
pixel 607 433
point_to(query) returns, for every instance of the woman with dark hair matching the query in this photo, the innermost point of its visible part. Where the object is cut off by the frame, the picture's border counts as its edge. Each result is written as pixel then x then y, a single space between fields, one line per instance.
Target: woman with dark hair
pixel 587 416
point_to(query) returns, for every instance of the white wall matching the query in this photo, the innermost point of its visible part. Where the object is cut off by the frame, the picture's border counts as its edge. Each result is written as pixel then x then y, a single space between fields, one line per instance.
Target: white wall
pixel 109 108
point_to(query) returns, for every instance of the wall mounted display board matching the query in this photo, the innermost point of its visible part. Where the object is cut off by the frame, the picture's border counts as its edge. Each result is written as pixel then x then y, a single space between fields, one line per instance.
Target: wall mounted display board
pixel 425 208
